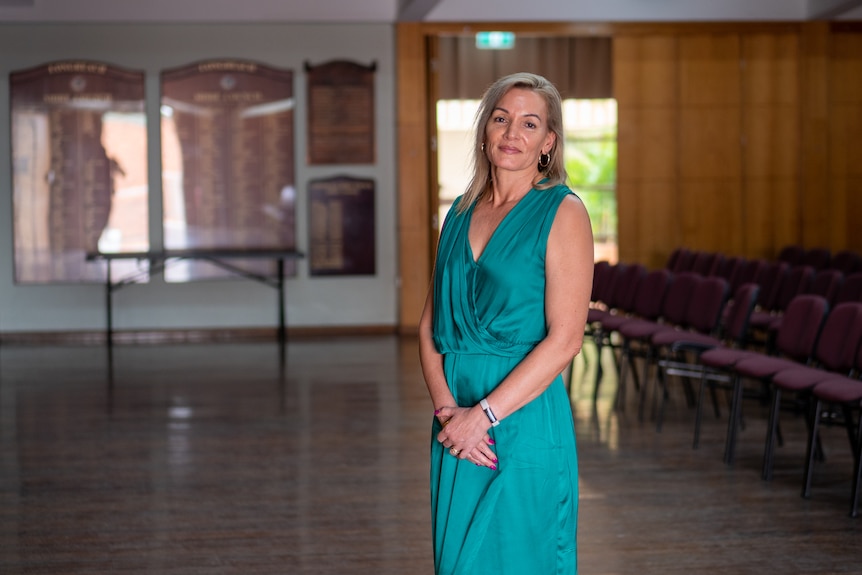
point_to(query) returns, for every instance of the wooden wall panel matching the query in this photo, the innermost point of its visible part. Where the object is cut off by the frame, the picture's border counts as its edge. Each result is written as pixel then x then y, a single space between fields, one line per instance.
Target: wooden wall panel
pixel 414 217
pixel 709 143
pixel 710 215
pixel 842 216
pixel 709 160
pixel 771 141
pixel 645 86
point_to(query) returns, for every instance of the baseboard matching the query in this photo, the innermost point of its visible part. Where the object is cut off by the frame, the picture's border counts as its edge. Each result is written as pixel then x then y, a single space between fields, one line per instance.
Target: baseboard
pixel 210 335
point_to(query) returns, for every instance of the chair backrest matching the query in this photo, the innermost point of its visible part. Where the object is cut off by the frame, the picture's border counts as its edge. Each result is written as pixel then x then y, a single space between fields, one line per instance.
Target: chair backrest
pixel 739 312
pixel 651 295
pixel 706 304
pixel 770 282
pixel 751 271
pixel 601 277
pixel 791 255
pixel 673 258
pixel 800 327
pixel 609 285
pixel 851 289
pixel 795 282
pixel 826 282
pixel 706 263
pixel 840 338
pixel 847 262
pixel 683 261
pixel 817 258
pixel 627 288
pixel 678 295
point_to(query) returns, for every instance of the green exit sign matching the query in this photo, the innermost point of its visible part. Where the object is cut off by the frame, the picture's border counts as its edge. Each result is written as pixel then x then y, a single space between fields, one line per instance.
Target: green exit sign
pixel 495 40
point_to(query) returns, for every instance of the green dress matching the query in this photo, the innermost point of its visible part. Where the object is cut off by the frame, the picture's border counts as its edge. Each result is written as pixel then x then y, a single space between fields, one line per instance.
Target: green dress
pixel 488 315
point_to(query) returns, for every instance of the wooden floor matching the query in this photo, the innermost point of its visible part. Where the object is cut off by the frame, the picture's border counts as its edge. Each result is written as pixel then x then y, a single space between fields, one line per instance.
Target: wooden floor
pixel 211 459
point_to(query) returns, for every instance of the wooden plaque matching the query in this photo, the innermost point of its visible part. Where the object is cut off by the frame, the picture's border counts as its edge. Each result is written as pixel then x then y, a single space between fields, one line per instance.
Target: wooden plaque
pixel 341 226
pixel 340 113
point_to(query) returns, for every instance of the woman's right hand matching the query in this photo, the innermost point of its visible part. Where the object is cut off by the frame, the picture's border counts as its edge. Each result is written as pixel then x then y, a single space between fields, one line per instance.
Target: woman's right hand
pixel 466 431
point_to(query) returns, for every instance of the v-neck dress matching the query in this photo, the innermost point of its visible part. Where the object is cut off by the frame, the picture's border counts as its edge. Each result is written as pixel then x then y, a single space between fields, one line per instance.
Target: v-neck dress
pixel 489 313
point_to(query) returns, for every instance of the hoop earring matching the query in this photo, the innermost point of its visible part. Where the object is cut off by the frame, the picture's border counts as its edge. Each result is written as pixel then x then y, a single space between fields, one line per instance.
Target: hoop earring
pixel 483 146
pixel 544 160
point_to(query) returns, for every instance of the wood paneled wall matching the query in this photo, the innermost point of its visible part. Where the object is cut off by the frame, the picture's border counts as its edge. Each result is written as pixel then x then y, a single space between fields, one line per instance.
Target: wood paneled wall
pixel 733 137
pixel 738 141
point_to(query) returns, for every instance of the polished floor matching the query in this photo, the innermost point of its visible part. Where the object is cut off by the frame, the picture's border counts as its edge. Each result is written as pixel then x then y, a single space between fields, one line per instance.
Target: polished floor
pixel 229 459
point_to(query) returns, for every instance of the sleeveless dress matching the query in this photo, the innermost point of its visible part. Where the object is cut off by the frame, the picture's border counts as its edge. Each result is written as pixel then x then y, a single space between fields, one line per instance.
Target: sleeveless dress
pixel 488 315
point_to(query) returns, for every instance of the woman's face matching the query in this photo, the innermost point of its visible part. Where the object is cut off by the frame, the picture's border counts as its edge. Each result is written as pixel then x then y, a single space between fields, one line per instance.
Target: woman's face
pixel 517 131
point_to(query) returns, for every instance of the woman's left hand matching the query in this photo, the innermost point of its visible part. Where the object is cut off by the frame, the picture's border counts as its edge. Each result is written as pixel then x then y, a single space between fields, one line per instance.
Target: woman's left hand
pixel 465 430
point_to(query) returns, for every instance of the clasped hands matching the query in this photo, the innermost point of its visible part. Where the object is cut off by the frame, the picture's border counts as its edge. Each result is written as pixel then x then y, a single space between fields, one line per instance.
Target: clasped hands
pixel 465 435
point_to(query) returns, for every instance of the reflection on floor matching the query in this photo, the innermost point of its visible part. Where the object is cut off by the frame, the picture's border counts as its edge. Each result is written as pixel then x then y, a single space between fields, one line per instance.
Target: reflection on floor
pixel 220 459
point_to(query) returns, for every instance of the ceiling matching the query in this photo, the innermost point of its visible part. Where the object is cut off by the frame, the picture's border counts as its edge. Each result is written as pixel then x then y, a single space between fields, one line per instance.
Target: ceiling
pixel 390 11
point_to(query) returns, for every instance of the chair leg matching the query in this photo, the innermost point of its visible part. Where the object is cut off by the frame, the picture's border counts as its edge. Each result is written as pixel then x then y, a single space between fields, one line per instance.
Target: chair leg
pixel 771 428
pixel 598 337
pixel 857 472
pixel 661 387
pixel 733 420
pixel 645 385
pixel 812 448
pixel 699 413
pixel 621 380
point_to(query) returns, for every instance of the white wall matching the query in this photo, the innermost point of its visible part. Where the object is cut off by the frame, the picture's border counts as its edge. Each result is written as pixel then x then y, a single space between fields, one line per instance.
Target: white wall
pixel 618 10
pixel 327 301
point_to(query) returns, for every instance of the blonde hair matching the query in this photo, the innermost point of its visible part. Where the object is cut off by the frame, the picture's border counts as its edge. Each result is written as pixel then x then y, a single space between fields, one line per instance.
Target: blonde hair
pixel 554 173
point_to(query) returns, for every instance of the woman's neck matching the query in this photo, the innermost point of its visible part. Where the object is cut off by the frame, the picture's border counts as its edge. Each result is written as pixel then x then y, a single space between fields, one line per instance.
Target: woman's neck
pixel 509 187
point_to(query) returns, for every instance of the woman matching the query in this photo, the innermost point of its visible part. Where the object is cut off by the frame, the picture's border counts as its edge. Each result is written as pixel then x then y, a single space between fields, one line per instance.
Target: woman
pixel 505 315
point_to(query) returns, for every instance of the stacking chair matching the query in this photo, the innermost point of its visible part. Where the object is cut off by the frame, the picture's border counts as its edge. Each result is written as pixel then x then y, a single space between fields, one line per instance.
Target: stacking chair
pixel 791 255
pixel 817 258
pixel 684 348
pixel 765 322
pixel 707 263
pixel 834 355
pixel 847 262
pixel 647 305
pixel 795 340
pixel 851 289
pixel 846 393
pixel 750 271
pixel 620 304
pixel 702 318
pixel 826 283
pixel 636 334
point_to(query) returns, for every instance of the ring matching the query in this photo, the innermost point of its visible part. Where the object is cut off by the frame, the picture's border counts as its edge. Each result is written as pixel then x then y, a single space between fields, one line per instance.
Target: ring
pixel 454 452
pixel 445 423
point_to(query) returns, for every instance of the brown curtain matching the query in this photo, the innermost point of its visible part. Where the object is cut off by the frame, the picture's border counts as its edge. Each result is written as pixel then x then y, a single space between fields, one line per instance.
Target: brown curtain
pixel 579 67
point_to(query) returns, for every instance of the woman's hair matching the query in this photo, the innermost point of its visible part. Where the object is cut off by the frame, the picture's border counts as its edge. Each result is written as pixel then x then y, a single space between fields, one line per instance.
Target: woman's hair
pixel 551 175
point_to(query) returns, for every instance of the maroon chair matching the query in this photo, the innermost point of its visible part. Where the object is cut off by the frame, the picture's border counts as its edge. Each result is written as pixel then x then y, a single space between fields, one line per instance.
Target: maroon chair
pixel 707 263
pixel 817 258
pixel 795 340
pixel 851 289
pixel 749 271
pixel 636 334
pixel 826 283
pixel 702 318
pixel 846 394
pixel 765 323
pixel 603 292
pixel 620 304
pixel 685 349
pixel 647 305
pixel 834 354
pixel 791 255
pixel 683 261
pixel 847 262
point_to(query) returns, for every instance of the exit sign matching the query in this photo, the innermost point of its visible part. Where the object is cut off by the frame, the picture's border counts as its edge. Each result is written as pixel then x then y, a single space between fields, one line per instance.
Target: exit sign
pixel 495 40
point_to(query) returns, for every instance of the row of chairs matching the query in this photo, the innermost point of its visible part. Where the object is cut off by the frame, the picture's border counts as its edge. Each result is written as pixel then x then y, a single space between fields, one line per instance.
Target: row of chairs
pixel 672 320
pixel 716 263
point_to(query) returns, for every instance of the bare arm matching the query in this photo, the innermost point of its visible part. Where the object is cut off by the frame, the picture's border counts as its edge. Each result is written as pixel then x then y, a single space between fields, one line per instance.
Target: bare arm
pixel 431 360
pixel 569 278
